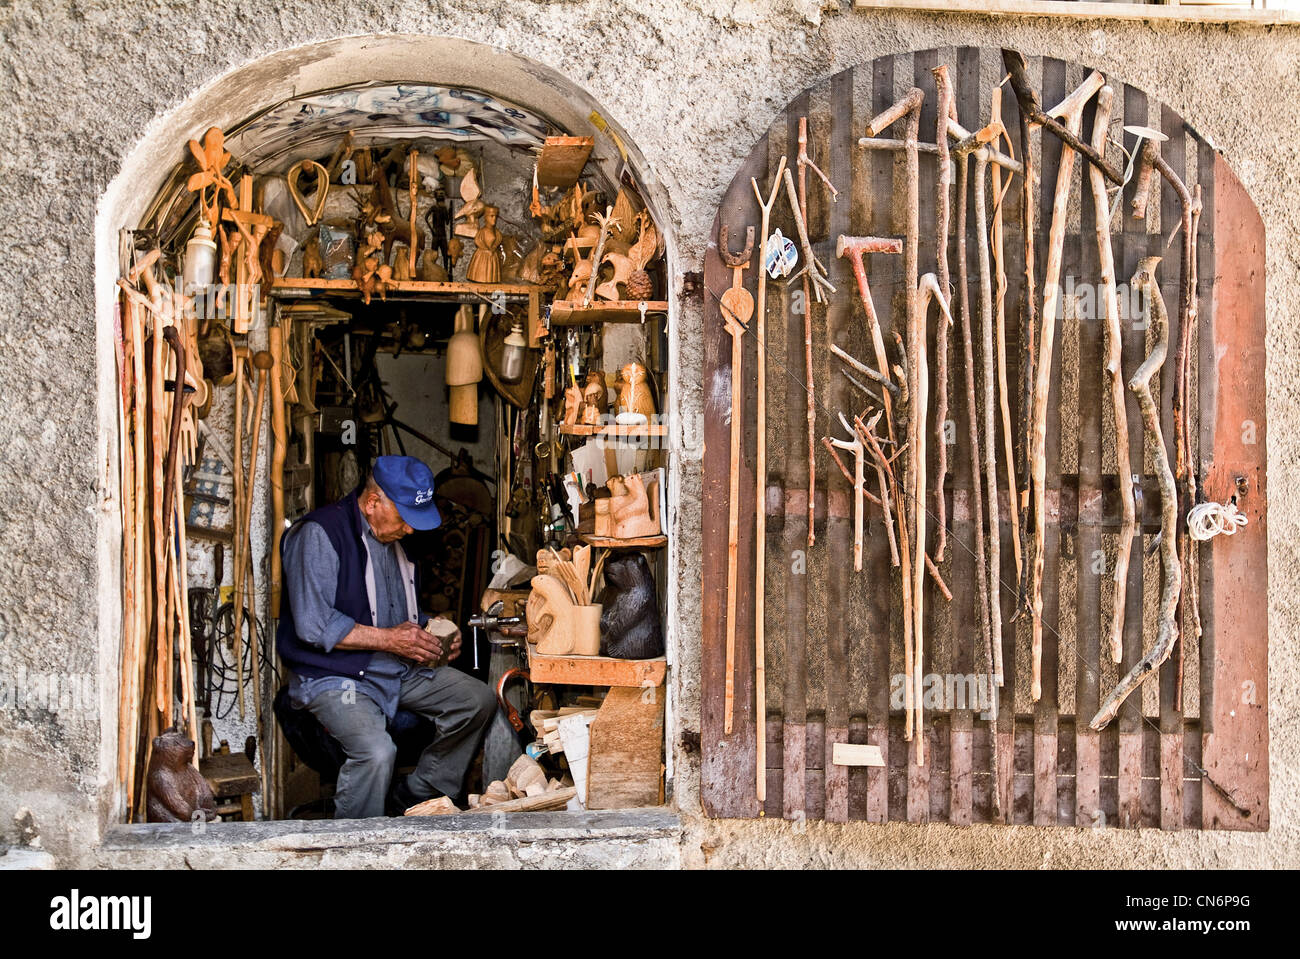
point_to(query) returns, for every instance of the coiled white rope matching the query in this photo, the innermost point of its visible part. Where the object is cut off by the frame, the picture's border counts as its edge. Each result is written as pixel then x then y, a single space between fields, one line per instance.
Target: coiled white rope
pixel 1206 520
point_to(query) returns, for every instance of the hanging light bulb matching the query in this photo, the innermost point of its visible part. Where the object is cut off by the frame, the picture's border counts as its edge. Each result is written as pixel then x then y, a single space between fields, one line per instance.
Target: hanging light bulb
pixel 512 357
pixel 200 256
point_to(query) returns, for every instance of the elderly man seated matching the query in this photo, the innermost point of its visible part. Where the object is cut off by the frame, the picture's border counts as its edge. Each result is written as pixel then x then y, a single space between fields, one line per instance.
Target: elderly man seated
pixel 351 633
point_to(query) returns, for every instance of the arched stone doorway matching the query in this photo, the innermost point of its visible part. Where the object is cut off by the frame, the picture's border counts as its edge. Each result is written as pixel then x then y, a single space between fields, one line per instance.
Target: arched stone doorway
pixel 246 93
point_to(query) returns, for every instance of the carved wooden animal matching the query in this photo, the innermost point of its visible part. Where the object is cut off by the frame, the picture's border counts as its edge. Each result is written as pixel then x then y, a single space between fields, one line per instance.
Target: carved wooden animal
pixel 401 264
pixel 632 513
pixel 176 790
pixel 634 394
pixel 630 627
pixel 595 397
pixel 572 404
pixel 608 290
pixel 638 285
pixel 313 264
pixel 556 617
pixel 431 271
pixel 603 526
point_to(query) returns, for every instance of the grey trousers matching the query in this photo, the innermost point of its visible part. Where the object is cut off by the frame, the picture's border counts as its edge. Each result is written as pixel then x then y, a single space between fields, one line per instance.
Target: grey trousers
pixel 459 705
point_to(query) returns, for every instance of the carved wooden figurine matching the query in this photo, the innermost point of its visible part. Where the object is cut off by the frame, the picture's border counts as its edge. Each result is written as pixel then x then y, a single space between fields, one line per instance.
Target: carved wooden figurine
pixel 211 156
pixel 634 394
pixel 572 404
pixel 485 264
pixel 595 399
pixel 176 790
pixel 630 627
pixel 563 625
pixel 632 513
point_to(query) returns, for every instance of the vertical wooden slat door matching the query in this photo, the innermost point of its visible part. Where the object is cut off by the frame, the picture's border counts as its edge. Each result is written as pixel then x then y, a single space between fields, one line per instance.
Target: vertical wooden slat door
pixel 1190 748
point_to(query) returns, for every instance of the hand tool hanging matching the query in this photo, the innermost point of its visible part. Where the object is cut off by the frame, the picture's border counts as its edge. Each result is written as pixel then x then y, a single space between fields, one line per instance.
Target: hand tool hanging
pixel 737 310
pixel 1144 280
pixel 760 469
pixel 1071 108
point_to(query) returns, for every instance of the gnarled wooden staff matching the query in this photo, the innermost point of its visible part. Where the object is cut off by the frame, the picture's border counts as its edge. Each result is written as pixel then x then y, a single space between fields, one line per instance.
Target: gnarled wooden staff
pixel 1071 108
pixel 1140 384
pixel 854 247
pixel 1114 373
pixel 943 183
pixel 1151 161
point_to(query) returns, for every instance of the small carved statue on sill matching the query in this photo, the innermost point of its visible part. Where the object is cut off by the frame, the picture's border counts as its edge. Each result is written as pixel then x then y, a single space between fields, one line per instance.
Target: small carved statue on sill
pixel 485 264
pixel 431 271
pixel 176 790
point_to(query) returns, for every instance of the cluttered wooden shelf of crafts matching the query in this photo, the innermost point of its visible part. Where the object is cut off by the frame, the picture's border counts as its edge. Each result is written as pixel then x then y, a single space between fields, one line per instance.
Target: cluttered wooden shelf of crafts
pixel 393 470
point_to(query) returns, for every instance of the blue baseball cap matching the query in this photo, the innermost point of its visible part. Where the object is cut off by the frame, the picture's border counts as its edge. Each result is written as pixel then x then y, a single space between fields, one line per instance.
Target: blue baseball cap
pixel 409 484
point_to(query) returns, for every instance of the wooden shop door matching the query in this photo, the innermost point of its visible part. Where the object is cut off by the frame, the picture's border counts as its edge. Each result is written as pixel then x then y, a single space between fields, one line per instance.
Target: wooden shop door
pixel 1187 751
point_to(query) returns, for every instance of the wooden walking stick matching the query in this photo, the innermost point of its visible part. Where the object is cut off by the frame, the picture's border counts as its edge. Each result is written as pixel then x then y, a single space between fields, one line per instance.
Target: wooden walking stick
pixel 885 476
pixel 943 183
pixel 1000 312
pixel 760 470
pixel 1028 355
pixel 126 350
pixel 170 470
pixel 1071 108
pixel 990 428
pixel 737 310
pixel 262 362
pixel 240 357
pixel 280 442
pixel 1114 372
pixel 976 501
pixel 1140 384
pixel 1151 161
pixel 804 162
pixel 928 289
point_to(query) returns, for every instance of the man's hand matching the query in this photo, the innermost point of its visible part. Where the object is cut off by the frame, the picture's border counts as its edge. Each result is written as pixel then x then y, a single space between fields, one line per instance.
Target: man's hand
pixel 449 634
pixel 411 642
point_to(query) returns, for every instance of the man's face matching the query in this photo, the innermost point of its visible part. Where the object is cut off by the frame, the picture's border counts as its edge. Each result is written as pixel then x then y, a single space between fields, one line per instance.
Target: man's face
pixel 381 513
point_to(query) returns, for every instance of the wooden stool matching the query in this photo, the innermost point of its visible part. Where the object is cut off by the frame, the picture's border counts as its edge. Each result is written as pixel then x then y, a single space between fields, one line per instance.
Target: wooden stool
pixel 233 779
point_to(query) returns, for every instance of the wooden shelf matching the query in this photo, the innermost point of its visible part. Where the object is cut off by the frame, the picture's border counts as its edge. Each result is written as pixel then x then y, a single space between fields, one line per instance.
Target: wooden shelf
pixel 637 542
pixel 307 286
pixel 572 313
pixel 613 429
pixel 595 670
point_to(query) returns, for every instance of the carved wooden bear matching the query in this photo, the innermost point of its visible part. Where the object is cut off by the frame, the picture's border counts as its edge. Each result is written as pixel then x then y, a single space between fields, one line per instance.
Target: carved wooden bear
pixel 176 790
pixel 630 627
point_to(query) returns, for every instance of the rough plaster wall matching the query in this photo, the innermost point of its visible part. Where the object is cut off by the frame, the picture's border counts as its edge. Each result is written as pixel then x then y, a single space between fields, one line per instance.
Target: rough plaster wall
pixel 694 84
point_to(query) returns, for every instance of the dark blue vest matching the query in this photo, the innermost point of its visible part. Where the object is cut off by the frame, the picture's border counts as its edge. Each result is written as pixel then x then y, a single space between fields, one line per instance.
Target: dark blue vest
pixel 344 525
